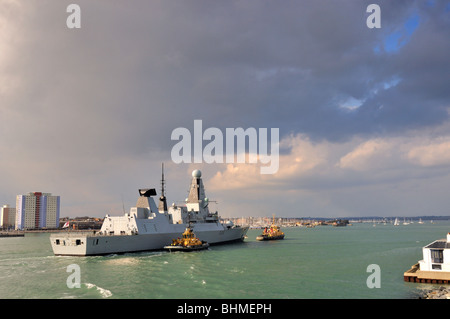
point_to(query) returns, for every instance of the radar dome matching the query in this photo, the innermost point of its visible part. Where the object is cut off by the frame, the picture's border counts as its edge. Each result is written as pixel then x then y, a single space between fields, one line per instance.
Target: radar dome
pixel 197 173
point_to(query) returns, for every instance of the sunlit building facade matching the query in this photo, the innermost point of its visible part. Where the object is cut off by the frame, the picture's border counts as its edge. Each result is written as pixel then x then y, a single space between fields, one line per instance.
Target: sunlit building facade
pixel 37 210
pixel 7 216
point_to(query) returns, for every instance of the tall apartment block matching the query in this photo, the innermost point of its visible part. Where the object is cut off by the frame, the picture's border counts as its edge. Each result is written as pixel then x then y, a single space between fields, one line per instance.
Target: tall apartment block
pixel 37 210
pixel 7 216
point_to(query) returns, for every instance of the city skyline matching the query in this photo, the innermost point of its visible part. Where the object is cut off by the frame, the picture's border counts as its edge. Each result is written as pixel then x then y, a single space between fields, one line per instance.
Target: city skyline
pixel 363 113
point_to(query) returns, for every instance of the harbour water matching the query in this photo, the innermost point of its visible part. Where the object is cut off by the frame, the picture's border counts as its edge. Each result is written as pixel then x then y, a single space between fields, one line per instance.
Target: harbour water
pixel 320 262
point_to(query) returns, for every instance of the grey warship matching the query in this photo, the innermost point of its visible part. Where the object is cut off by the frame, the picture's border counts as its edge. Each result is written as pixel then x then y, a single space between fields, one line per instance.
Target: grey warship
pixel 148 227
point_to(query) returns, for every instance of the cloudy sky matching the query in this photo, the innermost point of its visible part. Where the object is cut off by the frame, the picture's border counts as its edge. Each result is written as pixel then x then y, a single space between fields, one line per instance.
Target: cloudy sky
pixel 363 114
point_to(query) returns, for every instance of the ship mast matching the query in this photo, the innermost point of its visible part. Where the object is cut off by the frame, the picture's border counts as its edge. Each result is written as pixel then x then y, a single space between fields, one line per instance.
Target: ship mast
pixel 162 207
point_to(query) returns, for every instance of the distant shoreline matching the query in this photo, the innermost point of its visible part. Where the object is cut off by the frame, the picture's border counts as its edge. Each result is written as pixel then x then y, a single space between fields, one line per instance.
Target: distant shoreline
pixel 11 233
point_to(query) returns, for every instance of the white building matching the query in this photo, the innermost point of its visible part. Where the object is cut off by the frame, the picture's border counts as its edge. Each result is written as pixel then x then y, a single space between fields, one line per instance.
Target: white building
pixel 435 265
pixel 7 216
pixel 37 210
pixel 436 256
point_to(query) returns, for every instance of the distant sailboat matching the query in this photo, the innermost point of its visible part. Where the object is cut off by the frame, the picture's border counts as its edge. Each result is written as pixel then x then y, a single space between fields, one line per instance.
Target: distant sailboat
pixel 420 221
pixel 396 222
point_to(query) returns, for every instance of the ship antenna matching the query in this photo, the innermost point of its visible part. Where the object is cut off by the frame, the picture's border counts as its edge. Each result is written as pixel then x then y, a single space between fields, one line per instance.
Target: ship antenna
pixel 162 179
pixel 162 207
pixel 123 205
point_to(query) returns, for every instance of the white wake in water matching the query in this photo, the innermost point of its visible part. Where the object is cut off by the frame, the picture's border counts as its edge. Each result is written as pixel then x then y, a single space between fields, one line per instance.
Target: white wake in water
pixel 105 293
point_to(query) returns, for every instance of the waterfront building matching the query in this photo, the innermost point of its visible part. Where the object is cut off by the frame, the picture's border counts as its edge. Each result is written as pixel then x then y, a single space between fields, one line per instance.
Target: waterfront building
pixel 7 216
pixel 435 265
pixel 37 210
pixel 436 256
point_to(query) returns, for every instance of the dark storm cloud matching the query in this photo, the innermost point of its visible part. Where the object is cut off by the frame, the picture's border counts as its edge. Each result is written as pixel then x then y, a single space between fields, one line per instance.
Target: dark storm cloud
pixel 261 64
pixel 134 71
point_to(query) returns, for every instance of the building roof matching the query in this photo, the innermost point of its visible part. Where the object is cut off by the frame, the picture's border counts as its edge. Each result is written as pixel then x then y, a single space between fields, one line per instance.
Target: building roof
pixel 442 244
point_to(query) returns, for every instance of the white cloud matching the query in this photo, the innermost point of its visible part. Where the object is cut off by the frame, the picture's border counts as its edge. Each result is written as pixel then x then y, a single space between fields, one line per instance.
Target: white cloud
pixel 323 165
pixel 351 104
pixel 304 158
pixel 392 176
pixel 368 155
pixel 437 153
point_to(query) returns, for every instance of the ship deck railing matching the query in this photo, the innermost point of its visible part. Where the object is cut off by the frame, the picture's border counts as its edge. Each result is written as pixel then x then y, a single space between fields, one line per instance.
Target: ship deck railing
pixel 91 233
pixel 75 233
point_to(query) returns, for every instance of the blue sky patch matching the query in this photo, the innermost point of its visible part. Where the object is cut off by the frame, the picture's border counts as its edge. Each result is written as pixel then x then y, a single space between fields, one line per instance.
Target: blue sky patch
pixel 396 40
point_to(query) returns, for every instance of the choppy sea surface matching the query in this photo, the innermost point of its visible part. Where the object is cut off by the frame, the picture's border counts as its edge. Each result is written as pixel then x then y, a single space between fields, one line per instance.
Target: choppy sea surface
pixel 320 262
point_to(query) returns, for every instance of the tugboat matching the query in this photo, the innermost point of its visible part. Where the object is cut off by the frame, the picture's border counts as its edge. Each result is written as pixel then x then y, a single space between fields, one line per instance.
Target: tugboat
pixel 273 233
pixel 188 242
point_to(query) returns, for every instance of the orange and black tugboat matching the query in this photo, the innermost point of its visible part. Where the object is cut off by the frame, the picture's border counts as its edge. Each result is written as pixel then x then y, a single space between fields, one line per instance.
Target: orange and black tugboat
pixel 272 233
pixel 188 242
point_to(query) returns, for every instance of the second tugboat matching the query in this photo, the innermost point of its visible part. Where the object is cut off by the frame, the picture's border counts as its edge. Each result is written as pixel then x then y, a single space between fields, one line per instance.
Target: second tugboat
pixel 188 242
pixel 273 233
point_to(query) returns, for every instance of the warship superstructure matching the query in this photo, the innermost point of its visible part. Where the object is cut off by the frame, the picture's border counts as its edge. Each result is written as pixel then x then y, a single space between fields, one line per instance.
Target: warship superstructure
pixel 148 227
